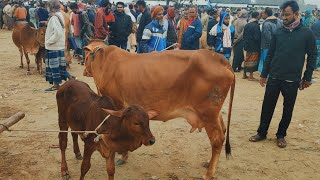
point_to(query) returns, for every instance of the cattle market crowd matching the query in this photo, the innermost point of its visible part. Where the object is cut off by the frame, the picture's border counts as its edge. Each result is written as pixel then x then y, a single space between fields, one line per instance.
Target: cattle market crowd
pixel 275 42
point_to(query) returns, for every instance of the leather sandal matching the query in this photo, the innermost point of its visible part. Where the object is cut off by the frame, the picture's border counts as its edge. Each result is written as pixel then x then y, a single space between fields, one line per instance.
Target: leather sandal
pixel 257 138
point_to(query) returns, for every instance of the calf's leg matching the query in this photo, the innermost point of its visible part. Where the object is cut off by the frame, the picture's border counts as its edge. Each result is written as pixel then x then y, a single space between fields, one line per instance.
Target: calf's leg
pixel 89 148
pixel 76 149
pixel 63 139
pixel 111 166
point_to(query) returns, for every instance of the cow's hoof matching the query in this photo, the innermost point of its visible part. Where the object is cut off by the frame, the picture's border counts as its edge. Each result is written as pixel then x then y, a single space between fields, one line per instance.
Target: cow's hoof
pixel 21 67
pixel 207 178
pixel 66 175
pixel 79 157
pixel 28 73
pixel 120 162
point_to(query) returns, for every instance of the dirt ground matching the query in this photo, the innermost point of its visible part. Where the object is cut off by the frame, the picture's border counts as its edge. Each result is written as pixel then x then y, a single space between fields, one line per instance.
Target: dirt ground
pixel 177 154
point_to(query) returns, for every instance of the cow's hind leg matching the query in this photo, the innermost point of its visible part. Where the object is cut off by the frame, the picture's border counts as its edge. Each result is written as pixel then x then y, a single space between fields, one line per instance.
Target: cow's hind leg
pixel 215 130
pixel 21 58
pixel 63 139
pixel 28 62
pixel 76 149
pixel 89 148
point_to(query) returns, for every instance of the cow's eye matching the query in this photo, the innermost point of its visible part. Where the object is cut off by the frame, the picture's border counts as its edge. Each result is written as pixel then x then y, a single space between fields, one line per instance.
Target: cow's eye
pixel 136 124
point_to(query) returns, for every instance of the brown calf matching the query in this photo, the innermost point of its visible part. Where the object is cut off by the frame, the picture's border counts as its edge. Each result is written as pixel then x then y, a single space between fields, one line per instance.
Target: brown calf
pixel 83 110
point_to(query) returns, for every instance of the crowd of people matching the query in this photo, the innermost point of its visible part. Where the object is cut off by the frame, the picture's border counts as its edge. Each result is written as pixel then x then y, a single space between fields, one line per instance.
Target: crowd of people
pixel 274 45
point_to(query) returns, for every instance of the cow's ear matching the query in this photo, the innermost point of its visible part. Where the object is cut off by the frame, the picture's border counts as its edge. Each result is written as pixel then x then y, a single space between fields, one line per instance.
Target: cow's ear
pixel 114 113
pixel 152 113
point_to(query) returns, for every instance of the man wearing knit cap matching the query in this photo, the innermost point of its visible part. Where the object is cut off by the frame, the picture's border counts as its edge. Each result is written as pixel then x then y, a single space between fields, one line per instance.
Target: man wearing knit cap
pixel 154 35
pixel 191 37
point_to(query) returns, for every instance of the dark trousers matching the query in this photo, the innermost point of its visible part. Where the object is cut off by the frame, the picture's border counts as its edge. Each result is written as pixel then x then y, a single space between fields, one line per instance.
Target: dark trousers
pixel 238 55
pixel 122 45
pixel 289 92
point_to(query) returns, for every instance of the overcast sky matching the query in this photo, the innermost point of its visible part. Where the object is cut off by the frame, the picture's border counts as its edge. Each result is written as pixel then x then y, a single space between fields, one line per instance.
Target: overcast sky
pixel 316 2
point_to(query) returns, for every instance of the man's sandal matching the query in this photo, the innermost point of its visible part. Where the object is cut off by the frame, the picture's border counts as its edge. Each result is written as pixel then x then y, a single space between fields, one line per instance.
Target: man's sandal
pixel 257 138
pixel 281 143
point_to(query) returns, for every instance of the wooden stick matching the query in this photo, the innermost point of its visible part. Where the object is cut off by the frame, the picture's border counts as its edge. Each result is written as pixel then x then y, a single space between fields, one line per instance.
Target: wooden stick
pixel 11 121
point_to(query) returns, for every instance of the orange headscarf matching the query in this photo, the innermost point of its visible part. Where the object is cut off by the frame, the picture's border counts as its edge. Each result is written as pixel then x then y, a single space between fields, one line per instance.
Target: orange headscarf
pixel 156 10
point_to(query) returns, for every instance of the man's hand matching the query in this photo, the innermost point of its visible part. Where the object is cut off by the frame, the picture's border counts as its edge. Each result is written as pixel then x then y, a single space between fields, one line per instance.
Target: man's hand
pixel 263 81
pixel 304 84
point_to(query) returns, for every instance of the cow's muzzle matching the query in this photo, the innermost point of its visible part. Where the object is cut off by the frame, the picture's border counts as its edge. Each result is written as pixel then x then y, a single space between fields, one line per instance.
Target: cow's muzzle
pixel 150 141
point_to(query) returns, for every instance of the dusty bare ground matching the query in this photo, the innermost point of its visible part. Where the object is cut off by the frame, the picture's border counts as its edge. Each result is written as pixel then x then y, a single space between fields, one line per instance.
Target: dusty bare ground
pixel 177 154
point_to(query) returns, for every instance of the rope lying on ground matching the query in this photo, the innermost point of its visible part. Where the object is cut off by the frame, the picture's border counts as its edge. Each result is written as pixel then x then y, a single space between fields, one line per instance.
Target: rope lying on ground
pixel 62 131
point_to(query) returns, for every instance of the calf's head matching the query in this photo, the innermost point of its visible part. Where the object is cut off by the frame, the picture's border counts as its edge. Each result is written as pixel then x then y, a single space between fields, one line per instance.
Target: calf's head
pixel 135 123
pixel 40 35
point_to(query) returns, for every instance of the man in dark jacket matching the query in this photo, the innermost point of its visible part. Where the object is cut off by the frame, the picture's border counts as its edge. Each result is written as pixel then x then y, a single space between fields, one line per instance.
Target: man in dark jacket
pixel 284 65
pixel 213 15
pixel 252 42
pixel 144 21
pixel 269 26
pixel 191 37
pixel 121 28
pixel 171 31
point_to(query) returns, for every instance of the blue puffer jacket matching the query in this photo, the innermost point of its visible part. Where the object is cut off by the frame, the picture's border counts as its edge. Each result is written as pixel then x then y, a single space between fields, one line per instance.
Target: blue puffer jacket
pixel 191 37
pixel 218 40
pixel 154 38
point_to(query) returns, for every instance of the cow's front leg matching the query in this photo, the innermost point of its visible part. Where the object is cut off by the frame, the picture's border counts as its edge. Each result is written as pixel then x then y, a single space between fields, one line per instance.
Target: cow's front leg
pixel 123 159
pixel 110 165
pixel 89 148
pixel 215 132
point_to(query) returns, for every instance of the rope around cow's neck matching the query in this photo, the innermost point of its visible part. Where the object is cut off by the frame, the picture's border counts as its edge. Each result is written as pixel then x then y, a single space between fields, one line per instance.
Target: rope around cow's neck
pixel 96 139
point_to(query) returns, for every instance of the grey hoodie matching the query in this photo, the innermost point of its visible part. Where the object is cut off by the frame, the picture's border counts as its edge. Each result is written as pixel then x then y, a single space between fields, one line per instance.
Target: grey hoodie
pixel 269 26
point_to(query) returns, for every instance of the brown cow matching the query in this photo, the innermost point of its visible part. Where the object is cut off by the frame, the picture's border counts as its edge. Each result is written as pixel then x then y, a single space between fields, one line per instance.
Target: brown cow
pixel 83 110
pixel 29 40
pixel 188 84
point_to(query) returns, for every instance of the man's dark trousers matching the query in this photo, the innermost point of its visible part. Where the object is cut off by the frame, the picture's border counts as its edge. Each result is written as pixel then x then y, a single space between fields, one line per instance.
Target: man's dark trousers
pixel 289 92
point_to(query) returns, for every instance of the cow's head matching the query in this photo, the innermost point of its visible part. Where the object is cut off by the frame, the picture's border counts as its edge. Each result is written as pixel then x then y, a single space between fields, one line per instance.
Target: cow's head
pixel 40 35
pixel 134 123
pixel 90 52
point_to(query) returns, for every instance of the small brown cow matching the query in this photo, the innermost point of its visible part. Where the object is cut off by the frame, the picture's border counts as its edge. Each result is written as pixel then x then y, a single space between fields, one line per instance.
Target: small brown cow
pixel 81 109
pixel 29 40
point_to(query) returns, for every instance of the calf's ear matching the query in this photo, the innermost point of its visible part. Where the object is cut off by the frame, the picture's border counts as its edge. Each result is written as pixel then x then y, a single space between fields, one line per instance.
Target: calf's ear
pixel 114 113
pixel 152 113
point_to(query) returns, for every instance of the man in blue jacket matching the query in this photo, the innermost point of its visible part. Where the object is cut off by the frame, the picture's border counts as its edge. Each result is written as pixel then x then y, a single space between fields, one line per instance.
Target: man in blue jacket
pixel 154 36
pixel 191 37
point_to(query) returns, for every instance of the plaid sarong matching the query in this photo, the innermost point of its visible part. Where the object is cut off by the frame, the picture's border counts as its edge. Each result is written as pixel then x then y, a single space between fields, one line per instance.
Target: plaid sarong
pixel 251 62
pixel 56 67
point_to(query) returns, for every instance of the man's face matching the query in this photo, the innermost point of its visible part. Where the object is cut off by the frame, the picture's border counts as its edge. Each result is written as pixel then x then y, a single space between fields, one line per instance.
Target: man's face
pixel 264 15
pixel 226 20
pixel 107 10
pixel 159 16
pixel 238 13
pixel 192 12
pixel 215 16
pixel 120 8
pixel 140 8
pixel 185 15
pixel 288 16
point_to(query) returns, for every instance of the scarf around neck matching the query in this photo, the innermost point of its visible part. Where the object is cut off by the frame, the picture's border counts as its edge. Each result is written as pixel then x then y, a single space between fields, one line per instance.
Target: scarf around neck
pixel 293 25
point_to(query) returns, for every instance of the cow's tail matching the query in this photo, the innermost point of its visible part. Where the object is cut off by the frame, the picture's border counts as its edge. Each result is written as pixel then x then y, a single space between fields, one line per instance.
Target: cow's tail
pixel 228 147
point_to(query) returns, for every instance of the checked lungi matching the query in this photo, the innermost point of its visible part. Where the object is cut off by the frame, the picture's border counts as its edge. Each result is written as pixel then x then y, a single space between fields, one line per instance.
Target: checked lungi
pixel 56 67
